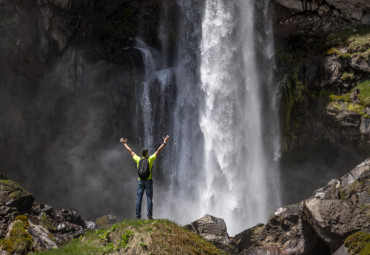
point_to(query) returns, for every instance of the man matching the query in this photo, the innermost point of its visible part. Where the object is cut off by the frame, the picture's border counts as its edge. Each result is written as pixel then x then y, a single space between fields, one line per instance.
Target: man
pixel 146 184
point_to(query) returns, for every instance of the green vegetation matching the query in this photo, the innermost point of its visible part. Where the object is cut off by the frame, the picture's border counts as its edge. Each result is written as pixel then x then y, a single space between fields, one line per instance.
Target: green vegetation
pixel 364 95
pixel 46 222
pixel 358 243
pixel 345 102
pixel 356 41
pixel 347 76
pixel 12 188
pixel 342 194
pixel 138 237
pixel 19 240
pixel 73 248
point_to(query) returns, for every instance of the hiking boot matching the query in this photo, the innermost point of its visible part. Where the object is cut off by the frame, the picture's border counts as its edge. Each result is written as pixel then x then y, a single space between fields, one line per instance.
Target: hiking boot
pixel 150 218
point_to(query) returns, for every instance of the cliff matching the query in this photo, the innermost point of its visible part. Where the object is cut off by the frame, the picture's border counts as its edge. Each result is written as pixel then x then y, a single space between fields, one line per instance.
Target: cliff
pixel 322 53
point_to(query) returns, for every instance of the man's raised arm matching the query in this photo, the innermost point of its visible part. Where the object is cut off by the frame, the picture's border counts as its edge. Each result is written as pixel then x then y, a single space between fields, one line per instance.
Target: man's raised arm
pixel 124 142
pixel 162 145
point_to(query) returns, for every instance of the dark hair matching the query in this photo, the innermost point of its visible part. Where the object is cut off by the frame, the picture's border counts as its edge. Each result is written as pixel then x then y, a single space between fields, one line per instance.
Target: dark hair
pixel 144 152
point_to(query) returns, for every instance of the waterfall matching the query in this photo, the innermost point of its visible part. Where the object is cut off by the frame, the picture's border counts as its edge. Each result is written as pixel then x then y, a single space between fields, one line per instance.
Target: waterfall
pixel 224 150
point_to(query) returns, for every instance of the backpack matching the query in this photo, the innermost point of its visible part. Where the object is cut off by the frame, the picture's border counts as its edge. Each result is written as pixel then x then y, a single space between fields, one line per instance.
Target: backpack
pixel 143 170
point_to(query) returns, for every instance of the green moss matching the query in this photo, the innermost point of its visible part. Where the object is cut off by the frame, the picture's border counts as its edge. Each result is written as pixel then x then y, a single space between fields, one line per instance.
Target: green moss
pixel 356 106
pixel 364 88
pixel 12 188
pixel 344 97
pixel 46 222
pixel 19 240
pixel 342 194
pixel 358 243
pixel 133 237
pixel 357 40
pixel 347 76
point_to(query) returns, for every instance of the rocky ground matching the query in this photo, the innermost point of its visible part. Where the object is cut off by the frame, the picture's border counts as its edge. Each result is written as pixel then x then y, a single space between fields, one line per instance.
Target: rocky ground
pixel 334 220
pixel 26 225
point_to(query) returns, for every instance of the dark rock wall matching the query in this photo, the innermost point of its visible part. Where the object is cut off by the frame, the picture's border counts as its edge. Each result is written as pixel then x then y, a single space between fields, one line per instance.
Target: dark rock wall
pixel 70 79
pixel 323 123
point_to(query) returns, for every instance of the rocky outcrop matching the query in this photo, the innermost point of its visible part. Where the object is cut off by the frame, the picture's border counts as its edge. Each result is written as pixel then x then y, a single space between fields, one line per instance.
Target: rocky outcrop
pixel 319 224
pixel 248 237
pixel 325 96
pixel 214 230
pixel 42 226
pixel 356 9
pixel 341 208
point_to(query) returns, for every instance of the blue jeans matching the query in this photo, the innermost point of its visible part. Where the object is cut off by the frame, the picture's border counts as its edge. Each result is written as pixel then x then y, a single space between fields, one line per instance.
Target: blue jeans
pixel 146 185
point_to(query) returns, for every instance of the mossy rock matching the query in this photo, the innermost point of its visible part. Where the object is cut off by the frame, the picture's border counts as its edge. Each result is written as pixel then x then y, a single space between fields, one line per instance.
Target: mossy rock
pixel 18 241
pixel 358 243
pixel 139 237
pixel 46 222
pixel 14 195
pixel 105 221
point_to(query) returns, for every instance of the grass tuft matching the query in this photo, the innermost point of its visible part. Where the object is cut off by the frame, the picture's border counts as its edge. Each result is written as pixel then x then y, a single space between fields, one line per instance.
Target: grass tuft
pixel 139 237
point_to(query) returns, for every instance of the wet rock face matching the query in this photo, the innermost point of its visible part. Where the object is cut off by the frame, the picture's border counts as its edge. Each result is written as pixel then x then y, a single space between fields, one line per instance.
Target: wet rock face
pixel 49 228
pixel 319 224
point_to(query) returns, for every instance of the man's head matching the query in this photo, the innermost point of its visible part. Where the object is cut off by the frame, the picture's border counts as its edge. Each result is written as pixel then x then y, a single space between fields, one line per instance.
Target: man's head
pixel 144 152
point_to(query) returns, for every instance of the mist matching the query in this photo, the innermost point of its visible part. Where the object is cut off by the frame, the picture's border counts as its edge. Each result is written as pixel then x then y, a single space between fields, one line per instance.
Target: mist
pixel 76 77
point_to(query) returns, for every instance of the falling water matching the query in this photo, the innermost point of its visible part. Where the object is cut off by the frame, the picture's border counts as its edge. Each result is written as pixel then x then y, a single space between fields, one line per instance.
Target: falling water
pixel 224 150
pixel 226 158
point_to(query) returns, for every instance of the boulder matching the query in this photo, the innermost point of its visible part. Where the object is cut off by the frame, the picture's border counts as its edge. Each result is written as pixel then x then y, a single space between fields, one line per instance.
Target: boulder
pixel 105 221
pixel 317 225
pixel 248 237
pixel 42 238
pixel 360 64
pixel 287 233
pixel 13 200
pixel 13 195
pixel 214 230
pixel 353 9
pixel 340 208
pixel 44 227
pixel 271 250
pixel 341 251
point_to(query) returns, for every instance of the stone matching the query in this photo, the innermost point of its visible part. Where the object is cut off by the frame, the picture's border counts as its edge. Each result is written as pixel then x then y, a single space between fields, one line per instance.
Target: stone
pixel 350 9
pixel 214 230
pixel 13 195
pixel 271 250
pixel 48 227
pixel 90 225
pixel 42 238
pixel 362 170
pixel 105 221
pixel 332 68
pixel 359 63
pixel 287 231
pixel 291 4
pixel 248 237
pixel 341 251
pixel 344 210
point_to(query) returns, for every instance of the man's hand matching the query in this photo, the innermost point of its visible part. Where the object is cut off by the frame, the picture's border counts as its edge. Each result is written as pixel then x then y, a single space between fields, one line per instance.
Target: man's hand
pixel 124 142
pixel 166 138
